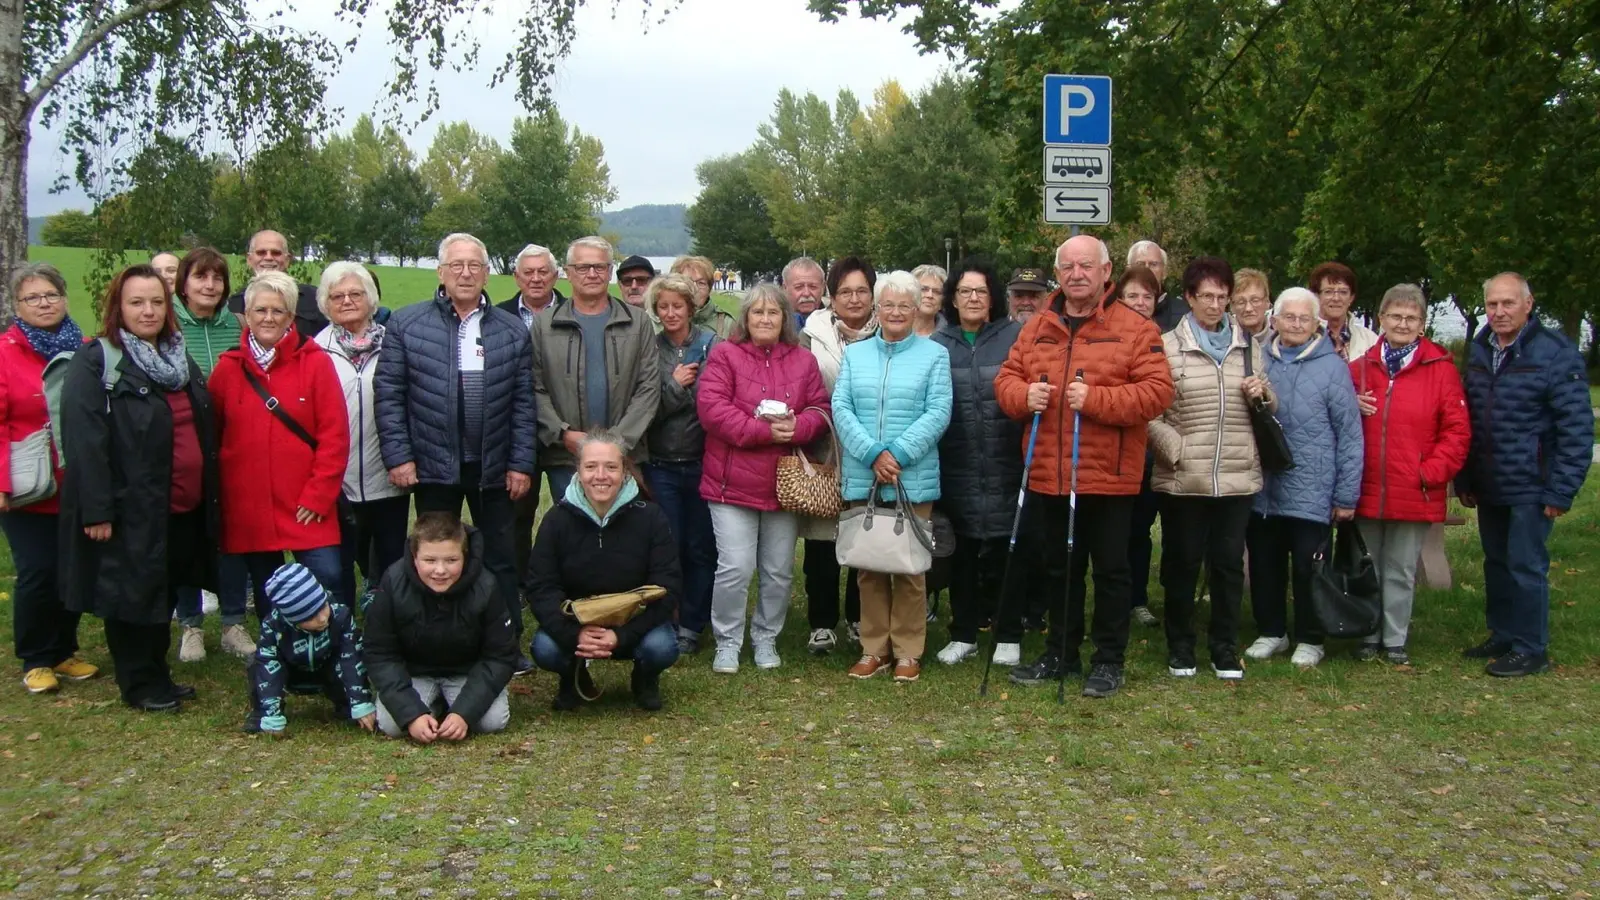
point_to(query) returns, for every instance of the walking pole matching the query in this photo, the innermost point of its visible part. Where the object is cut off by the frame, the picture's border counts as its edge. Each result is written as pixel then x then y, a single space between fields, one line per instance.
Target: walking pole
pixel 1072 534
pixel 1011 547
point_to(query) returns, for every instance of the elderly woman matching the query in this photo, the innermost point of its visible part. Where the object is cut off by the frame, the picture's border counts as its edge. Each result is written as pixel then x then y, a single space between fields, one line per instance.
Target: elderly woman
pixel 603 537
pixel 677 445
pixel 1414 418
pixel 980 453
pixel 1289 524
pixel 285 437
pixel 1335 287
pixel 931 281
pixel 1251 301
pixel 372 512
pixel 44 633
pixel 759 396
pixel 1207 468
pixel 1138 289
pixel 891 405
pixel 700 272
pixel 826 334
pixel 139 510
pixel 438 643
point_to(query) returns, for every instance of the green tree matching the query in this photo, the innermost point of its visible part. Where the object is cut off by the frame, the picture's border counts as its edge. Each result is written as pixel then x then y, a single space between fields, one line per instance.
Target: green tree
pixel 168 201
pixel 729 219
pixel 543 189
pixel 394 204
pixel 70 228
pixel 799 168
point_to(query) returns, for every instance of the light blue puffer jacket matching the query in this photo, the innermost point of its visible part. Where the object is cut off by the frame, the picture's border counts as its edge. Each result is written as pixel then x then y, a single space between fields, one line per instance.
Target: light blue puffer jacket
pixel 894 397
pixel 1322 423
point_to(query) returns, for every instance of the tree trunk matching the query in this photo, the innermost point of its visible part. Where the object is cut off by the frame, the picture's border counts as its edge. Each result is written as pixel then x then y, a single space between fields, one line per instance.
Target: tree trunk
pixel 15 116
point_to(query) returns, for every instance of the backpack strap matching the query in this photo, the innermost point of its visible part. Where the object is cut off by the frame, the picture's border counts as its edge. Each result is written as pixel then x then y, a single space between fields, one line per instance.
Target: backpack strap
pixel 111 375
pixel 276 408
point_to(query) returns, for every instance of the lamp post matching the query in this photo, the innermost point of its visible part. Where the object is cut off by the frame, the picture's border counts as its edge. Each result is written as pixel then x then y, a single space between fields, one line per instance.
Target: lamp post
pixel 949 244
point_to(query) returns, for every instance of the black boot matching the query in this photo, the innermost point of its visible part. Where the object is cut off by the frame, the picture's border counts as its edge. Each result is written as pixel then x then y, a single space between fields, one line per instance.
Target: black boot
pixel 647 690
pixel 567 692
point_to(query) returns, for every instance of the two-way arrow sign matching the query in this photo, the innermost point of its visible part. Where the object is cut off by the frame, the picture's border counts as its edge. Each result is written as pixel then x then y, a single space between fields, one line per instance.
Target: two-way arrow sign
pixel 1077 205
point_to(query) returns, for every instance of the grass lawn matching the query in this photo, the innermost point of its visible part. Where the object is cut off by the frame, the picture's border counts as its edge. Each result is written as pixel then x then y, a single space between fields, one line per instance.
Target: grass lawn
pixel 1351 780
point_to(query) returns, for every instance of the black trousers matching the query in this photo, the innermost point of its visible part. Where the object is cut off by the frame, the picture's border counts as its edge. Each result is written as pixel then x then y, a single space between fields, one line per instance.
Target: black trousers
pixel 1280 555
pixel 526 513
pixel 977 579
pixel 372 536
pixel 1140 547
pixel 305 682
pixel 494 514
pixel 139 656
pixel 44 632
pixel 1209 530
pixel 821 570
pixel 1101 540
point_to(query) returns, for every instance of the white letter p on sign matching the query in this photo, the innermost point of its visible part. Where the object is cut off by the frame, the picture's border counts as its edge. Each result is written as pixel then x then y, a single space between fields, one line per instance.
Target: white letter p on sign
pixel 1068 110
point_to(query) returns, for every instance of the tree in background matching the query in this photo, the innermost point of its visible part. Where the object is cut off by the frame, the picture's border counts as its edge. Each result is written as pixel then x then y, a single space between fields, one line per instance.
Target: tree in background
pixel 459 166
pixel 729 220
pixel 394 204
pixel 798 167
pixel 550 182
pixel 71 228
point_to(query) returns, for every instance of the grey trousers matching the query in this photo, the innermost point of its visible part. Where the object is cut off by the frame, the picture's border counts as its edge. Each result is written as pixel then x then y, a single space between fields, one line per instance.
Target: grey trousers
pixel 750 540
pixel 495 718
pixel 1396 548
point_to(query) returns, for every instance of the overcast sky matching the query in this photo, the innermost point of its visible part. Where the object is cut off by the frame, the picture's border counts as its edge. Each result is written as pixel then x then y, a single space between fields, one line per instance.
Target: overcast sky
pixel 661 99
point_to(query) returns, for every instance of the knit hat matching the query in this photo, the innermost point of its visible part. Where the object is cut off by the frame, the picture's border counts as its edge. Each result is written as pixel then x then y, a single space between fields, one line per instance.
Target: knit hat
pixel 296 593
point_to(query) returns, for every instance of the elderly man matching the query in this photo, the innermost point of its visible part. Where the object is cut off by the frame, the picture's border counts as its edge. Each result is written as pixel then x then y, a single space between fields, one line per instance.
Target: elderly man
pixel 804 282
pixel 535 273
pixel 268 251
pixel 594 366
pixel 1532 433
pixel 455 407
pixel 166 265
pixel 1025 293
pixel 1171 306
pixel 1083 358
pixel 634 276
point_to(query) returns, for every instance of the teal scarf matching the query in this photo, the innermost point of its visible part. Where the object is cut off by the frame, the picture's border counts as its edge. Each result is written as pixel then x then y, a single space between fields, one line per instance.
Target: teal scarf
pixel 577 498
pixel 1215 343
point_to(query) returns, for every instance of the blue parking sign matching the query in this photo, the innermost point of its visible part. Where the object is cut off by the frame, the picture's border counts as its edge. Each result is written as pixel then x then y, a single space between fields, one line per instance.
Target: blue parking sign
pixel 1077 109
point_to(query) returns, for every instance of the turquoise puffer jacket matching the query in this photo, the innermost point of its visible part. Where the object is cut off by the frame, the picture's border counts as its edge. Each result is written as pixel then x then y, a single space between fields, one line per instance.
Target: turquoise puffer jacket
pixel 894 397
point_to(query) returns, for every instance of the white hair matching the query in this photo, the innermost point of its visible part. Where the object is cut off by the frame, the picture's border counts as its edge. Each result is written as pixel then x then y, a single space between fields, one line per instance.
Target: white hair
pixel 803 262
pixel 461 237
pixel 1141 246
pixel 1297 295
pixel 1105 252
pixel 536 250
pixel 339 271
pixel 923 271
pixel 898 282
pixel 593 242
pixel 1527 292
pixel 272 282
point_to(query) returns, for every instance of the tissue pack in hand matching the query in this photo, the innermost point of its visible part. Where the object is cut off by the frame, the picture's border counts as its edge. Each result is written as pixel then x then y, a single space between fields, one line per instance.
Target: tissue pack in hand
pixel 772 409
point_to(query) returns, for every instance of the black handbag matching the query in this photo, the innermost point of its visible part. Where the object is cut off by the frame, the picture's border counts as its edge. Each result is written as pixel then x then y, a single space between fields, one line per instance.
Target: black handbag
pixel 1345 594
pixel 1271 446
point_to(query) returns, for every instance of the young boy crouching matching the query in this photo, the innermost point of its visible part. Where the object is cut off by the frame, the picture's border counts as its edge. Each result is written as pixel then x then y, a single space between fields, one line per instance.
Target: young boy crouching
pixel 308 645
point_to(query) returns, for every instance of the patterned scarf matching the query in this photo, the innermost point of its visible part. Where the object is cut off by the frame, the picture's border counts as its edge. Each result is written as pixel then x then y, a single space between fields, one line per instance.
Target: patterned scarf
pixel 1395 357
pixel 359 348
pixel 67 338
pixel 166 363
pixel 264 355
pixel 848 335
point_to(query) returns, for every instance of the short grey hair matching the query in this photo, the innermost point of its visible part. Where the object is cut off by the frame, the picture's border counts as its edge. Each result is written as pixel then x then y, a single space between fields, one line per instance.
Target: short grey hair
pixel 1404 295
pixel 1527 292
pixel 339 271
pixel 37 270
pixel 673 282
pixel 1297 295
pixel 1141 246
pixel 923 271
pixel 803 262
pixel 461 237
pixel 593 242
pixel 761 293
pixel 1105 252
pixel 273 282
pixel 606 437
pixel 536 250
pixel 897 282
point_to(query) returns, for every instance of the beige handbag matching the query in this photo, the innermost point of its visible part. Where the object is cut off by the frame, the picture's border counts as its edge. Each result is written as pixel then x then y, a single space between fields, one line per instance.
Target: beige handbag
pixel 33 475
pixel 807 487
pixel 612 610
pixel 879 539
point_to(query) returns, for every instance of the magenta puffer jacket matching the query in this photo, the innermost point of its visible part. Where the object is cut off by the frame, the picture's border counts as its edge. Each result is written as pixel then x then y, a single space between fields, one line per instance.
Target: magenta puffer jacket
pixel 741 461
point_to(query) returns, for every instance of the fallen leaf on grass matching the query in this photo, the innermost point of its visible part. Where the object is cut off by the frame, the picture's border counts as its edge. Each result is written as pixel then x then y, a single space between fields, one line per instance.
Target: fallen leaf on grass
pixel 649 739
pixel 1164 792
pixel 520 689
pixel 1442 789
pixel 32 737
pixel 391 779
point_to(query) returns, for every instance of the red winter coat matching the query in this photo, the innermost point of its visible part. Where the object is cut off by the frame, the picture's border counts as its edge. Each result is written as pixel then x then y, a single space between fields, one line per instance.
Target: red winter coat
pixel 1417 440
pixel 22 409
pixel 267 472
pixel 741 461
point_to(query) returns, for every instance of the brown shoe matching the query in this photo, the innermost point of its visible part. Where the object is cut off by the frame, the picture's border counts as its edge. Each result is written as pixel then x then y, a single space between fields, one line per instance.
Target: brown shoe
pixel 907 670
pixel 868 666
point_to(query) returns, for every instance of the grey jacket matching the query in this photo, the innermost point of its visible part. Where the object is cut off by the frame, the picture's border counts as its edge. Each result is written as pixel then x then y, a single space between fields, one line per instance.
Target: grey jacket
pixel 980 454
pixel 676 434
pixel 559 370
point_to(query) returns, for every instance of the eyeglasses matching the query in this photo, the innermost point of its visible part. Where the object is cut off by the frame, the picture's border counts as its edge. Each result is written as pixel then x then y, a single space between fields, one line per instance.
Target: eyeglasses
pixel 460 267
pixel 589 268
pixel 971 293
pixel 897 307
pixel 1338 293
pixel 267 312
pixel 1212 298
pixel 42 299
pixel 701 282
pixel 1403 320
pixel 1249 302
pixel 347 297
pixel 853 294
pixel 1296 318
pixel 634 280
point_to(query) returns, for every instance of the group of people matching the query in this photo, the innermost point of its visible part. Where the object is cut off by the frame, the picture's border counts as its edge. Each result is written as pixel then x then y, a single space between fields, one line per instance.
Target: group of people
pixel 205 435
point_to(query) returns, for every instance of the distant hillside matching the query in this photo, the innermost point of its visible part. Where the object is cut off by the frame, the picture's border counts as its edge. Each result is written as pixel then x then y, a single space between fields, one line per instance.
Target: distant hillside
pixel 35 226
pixel 649 230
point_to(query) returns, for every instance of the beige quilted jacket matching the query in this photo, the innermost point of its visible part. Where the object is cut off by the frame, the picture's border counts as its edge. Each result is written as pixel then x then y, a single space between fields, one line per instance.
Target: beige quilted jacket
pixel 1203 443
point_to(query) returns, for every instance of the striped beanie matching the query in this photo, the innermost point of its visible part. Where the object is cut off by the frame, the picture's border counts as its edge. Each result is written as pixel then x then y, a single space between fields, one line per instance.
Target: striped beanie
pixel 296 592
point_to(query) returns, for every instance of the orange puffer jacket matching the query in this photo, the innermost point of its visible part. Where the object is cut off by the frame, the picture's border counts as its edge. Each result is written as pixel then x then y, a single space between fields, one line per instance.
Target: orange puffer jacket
pixel 1125 365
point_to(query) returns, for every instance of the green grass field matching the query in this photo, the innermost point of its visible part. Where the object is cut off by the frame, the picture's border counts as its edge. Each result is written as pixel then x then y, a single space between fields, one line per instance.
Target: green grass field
pixel 1353 780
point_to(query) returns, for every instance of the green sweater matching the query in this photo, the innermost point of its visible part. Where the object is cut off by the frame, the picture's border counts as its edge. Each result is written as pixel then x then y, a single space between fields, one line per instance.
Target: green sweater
pixel 207 339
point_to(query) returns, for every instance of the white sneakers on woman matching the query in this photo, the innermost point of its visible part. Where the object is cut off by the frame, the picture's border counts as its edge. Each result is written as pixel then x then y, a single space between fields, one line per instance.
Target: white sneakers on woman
pixel 1266 647
pixel 1008 654
pixel 956 651
pixel 1307 655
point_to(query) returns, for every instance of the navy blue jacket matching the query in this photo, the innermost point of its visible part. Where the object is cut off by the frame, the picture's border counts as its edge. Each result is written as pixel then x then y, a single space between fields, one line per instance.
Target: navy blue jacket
pixel 283 647
pixel 1532 426
pixel 417 390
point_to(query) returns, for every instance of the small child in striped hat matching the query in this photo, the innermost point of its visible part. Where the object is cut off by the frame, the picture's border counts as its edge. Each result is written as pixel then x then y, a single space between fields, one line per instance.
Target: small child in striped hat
pixel 309 645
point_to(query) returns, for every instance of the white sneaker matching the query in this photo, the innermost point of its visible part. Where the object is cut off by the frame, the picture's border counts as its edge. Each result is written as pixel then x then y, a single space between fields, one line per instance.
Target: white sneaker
pixel 237 641
pixel 1266 647
pixel 192 647
pixel 1307 656
pixel 853 632
pixel 1007 654
pixel 767 656
pixel 726 662
pixel 956 651
pixel 822 641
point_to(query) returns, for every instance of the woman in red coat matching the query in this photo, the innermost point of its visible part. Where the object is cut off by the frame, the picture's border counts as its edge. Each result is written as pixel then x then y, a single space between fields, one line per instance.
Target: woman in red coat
pixel 285 441
pixel 1416 431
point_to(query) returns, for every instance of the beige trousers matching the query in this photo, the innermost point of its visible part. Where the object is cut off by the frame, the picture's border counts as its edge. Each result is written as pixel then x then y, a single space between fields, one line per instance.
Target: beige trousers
pixel 894 610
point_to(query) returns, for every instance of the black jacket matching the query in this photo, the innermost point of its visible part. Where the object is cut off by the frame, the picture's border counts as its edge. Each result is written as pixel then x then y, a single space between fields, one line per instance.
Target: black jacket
pixel 308 317
pixel 411 630
pixel 574 558
pixel 676 435
pixel 118 452
pixel 1170 309
pixel 980 454
pixel 283 647
pixel 513 305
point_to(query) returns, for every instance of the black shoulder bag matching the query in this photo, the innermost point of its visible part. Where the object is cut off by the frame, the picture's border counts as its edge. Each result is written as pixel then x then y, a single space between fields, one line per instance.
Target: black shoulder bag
pixel 276 408
pixel 1345 593
pixel 1271 445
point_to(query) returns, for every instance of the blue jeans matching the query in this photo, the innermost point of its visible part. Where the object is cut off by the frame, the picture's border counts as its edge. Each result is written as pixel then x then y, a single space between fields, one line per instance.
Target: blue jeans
pixel 233 579
pixel 559 477
pixel 1516 570
pixel 676 487
pixel 655 652
pixel 324 563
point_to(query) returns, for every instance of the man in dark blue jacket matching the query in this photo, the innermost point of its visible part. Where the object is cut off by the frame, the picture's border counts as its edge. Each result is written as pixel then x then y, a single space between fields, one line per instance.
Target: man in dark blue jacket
pixel 455 407
pixel 1532 439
